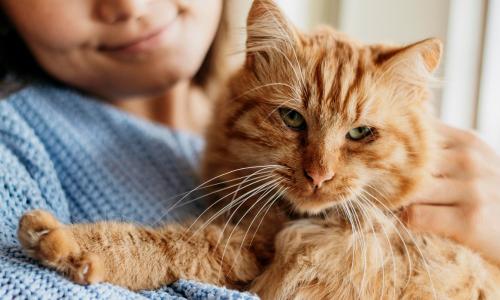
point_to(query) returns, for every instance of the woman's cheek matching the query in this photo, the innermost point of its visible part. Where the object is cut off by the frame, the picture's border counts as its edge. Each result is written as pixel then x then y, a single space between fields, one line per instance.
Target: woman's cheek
pixel 51 24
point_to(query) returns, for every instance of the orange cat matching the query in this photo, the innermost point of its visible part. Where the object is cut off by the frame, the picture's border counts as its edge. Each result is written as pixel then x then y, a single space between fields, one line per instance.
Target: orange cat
pixel 318 142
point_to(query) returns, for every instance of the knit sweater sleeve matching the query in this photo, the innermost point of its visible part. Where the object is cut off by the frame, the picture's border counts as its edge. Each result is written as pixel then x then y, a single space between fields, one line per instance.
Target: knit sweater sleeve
pixel 29 180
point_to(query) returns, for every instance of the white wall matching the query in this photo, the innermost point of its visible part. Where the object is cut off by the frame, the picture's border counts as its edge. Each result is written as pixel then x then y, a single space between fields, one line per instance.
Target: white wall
pixel 400 21
pixel 488 123
pixel 463 62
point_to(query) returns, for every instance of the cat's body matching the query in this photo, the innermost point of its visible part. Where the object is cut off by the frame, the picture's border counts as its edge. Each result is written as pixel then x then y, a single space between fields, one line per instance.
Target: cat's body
pixel 314 212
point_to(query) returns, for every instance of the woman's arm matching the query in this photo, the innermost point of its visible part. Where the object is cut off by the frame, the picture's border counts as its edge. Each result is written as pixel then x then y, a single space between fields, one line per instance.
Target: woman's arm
pixel 463 201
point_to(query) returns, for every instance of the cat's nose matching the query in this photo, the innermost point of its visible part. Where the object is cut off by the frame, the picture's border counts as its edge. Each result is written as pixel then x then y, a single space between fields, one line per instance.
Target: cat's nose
pixel 319 178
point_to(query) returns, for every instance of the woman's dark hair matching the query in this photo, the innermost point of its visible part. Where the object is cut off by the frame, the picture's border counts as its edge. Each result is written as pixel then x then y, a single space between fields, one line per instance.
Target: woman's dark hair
pixel 214 69
pixel 18 67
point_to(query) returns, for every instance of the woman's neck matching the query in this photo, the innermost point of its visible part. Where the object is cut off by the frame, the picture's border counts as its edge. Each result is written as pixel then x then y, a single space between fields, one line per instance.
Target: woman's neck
pixel 183 107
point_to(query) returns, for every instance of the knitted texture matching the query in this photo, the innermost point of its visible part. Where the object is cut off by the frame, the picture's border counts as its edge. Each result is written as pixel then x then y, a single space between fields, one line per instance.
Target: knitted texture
pixel 84 161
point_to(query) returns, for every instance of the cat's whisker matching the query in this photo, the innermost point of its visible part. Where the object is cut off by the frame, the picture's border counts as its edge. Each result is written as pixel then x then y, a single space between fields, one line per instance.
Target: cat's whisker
pixel 324 214
pixel 347 214
pixel 210 180
pixel 416 245
pixel 277 196
pixel 256 191
pixel 243 182
pixel 386 236
pixel 364 247
pixel 236 226
pixel 400 237
pixel 369 219
pixel 208 186
pixel 250 226
pixel 218 213
pixel 264 175
pixel 231 204
pixel 240 201
pixel 380 193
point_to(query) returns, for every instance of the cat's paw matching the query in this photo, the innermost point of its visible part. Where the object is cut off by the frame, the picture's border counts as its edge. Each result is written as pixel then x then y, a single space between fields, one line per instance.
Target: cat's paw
pixel 51 242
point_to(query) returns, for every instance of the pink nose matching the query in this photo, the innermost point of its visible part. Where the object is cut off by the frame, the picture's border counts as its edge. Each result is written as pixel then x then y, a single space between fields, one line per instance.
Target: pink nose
pixel 319 178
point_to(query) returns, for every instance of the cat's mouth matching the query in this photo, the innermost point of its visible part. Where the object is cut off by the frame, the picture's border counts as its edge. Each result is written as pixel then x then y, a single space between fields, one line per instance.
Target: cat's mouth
pixel 315 201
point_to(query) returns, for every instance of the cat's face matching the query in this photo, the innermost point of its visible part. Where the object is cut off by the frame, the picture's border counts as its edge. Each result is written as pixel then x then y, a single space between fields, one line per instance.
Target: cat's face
pixel 344 119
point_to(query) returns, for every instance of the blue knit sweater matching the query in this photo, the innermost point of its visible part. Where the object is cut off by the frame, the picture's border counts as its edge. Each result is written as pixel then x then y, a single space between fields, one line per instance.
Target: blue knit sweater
pixel 83 160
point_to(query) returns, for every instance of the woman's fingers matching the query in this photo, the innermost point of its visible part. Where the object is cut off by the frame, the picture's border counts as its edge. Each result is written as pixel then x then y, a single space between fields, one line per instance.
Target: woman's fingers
pixel 443 191
pixel 457 164
pixel 454 137
pixel 443 220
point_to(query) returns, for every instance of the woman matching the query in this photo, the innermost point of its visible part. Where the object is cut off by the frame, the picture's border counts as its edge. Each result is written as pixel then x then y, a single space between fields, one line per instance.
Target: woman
pixel 82 159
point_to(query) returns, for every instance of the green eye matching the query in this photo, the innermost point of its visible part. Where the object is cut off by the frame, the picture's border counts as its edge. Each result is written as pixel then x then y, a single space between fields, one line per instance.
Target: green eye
pixel 292 119
pixel 359 133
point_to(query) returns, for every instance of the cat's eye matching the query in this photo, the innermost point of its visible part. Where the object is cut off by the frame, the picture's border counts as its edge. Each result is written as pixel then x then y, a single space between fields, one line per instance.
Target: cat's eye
pixel 359 133
pixel 293 119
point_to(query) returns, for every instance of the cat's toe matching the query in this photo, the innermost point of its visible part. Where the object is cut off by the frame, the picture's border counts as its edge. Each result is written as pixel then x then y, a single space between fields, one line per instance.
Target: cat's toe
pixel 56 248
pixel 46 239
pixel 33 226
pixel 89 269
pixel 53 244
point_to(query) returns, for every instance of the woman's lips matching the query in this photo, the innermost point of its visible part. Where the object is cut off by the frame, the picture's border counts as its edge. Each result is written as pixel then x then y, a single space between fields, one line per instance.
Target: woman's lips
pixel 143 43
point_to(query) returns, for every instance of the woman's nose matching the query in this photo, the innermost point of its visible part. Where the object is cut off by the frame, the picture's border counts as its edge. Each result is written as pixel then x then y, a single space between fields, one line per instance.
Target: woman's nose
pixel 113 11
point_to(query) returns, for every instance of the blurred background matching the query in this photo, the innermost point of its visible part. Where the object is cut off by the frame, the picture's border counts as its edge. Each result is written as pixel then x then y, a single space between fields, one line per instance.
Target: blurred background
pixel 469 97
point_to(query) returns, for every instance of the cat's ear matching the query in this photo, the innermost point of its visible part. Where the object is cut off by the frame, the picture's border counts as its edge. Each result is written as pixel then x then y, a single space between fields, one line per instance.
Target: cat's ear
pixel 269 31
pixel 414 64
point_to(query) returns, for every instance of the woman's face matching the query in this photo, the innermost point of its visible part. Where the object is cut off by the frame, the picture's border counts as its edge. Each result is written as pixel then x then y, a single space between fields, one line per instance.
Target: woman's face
pixel 117 48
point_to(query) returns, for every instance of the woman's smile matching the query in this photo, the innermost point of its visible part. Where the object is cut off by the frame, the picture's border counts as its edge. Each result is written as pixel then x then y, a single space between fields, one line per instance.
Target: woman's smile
pixel 147 42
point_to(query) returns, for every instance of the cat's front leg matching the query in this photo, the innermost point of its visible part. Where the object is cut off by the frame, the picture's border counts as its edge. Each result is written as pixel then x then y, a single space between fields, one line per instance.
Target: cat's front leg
pixel 53 243
pixel 139 257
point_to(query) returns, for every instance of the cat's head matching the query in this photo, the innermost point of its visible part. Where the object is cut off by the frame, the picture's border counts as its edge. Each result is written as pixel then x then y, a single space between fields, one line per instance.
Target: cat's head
pixel 344 119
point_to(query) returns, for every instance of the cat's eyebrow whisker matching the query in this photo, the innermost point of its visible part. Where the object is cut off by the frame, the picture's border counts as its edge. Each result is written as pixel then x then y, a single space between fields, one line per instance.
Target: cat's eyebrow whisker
pixel 275 110
pixel 250 226
pixel 416 245
pixel 259 87
pixel 289 62
pixel 283 31
pixel 203 184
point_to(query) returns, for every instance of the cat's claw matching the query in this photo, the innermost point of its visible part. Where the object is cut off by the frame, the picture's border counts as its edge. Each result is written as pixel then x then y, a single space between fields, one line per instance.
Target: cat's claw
pixel 50 242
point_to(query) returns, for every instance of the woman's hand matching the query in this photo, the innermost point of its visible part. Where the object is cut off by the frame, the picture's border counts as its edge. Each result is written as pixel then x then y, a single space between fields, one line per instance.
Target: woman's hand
pixel 463 200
